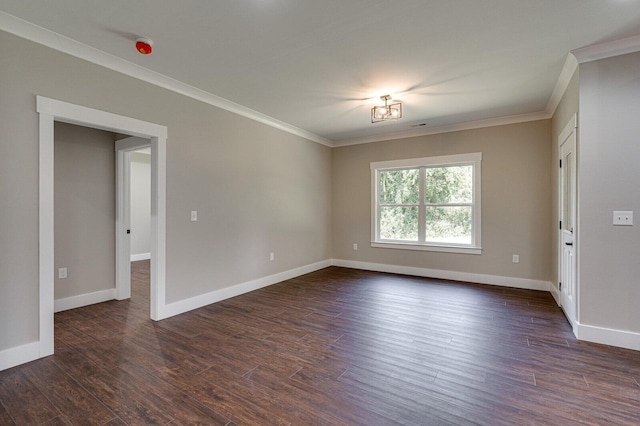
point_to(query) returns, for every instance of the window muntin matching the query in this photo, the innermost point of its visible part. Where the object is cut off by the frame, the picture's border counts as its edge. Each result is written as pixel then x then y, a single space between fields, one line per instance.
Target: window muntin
pixel 427 203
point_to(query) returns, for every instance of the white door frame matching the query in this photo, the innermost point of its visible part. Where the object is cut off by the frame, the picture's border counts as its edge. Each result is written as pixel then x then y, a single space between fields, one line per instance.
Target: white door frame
pixel 124 148
pixel 51 110
pixel 569 292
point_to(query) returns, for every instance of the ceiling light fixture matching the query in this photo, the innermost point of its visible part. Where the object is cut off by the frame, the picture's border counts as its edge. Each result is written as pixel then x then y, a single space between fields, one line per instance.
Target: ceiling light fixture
pixel 387 112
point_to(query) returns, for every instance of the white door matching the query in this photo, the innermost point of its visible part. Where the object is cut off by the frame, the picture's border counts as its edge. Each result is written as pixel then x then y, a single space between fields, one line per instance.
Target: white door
pixel 567 203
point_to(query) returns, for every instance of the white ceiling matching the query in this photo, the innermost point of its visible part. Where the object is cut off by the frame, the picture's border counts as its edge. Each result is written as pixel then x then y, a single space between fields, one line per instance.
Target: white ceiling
pixel 320 65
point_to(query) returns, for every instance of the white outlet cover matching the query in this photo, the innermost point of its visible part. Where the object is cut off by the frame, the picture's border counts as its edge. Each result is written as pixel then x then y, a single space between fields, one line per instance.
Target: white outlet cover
pixel 623 218
pixel 194 215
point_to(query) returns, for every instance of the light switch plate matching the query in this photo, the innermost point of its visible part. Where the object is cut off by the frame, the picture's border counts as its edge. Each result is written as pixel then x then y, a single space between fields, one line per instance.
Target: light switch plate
pixel 194 215
pixel 623 218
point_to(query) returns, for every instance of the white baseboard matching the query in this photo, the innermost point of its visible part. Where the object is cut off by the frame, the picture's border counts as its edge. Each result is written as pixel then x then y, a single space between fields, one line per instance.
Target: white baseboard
pixel 140 256
pixel 555 293
pixel 196 302
pixel 81 300
pixel 447 275
pixel 31 351
pixel 608 336
pixel 19 355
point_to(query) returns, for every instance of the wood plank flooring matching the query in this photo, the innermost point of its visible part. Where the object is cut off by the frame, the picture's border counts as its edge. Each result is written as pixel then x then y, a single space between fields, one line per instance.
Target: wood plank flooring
pixel 334 347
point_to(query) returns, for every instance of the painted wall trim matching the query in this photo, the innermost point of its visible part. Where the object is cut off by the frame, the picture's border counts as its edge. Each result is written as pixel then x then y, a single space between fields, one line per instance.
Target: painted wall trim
pixel 554 292
pixel 569 68
pixel 140 256
pixel 81 300
pixel 50 110
pixel 45 37
pixel 20 355
pixel 608 336
pixel 447 275
pixel 66 112
pixel 31 351
pixel 589 333
pixel 607 50
pixel 425 131
pixel 196 302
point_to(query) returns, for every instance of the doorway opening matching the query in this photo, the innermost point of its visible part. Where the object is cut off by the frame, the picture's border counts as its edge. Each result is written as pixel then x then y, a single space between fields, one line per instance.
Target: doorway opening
pixel 125 152
pixel 139 166
pixel 50 111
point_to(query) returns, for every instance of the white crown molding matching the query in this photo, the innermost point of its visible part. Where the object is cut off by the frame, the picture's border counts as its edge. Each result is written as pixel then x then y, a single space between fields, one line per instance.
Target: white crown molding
pixel 45 37
pixel 607 50
pixel 587 54
pixel 569 68
pixel 425 131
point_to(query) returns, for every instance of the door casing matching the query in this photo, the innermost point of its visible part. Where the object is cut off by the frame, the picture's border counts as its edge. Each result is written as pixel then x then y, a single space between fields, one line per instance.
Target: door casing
pixel 568 238
pixel 49 111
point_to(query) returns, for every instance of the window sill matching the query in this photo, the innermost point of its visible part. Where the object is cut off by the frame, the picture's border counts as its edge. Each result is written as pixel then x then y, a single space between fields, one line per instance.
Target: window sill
pixel 425 247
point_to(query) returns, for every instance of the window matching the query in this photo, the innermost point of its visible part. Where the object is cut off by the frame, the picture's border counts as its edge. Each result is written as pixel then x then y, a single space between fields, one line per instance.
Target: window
pixel 428 203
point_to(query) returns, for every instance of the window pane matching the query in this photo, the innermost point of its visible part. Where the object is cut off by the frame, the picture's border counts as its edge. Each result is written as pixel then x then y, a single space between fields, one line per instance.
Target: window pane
pixel 445 185
pixel 399 223
pixel 399 186
pixel 448 225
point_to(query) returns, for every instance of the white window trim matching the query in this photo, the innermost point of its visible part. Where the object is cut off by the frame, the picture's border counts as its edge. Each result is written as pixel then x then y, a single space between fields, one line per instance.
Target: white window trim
pixel 447 160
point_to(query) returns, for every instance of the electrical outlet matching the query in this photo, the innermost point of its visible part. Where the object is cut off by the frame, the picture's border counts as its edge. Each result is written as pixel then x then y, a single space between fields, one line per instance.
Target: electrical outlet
pixel 62 273
pixel 623 218
pixel 272 256
pixel 194 215
pixel 515 258
pixel 355 246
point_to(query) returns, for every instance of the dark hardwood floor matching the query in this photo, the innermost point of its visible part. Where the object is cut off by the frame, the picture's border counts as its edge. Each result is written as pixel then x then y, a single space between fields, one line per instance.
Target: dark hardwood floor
pixel 334 347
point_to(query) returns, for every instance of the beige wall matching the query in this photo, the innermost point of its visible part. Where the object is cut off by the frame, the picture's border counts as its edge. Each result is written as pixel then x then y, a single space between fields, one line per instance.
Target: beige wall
pixel 515 200
pixel 257 189
pixel 609 129
pixel 567 107
pixel 85 209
